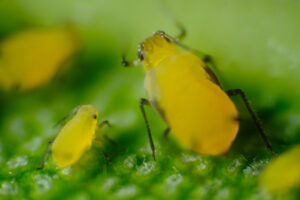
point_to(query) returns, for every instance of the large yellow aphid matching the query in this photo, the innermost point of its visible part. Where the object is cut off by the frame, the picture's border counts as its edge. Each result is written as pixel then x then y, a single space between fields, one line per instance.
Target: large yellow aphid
pixel 188 96
pixel 33 57
pixel 283 173
pixel 75 137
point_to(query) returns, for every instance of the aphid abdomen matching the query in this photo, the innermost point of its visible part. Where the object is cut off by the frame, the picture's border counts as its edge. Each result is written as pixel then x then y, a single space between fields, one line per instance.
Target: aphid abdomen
pixel 63 159
pixel 73 140
pixel 201 115
pixel 65 156
pixel 282 173
pixel 154 92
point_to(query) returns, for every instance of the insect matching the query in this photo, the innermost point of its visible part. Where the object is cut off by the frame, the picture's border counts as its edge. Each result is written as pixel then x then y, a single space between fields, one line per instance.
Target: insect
pixel 282 173
pixel 33 57
pixel 187 94
pixel 75 137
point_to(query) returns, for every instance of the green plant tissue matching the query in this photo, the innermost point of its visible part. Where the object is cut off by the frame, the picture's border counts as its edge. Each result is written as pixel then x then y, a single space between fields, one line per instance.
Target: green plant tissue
pixel 256 47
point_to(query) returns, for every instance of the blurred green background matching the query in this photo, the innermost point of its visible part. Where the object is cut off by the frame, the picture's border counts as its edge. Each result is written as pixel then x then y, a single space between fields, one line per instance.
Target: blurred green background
pixel 256 47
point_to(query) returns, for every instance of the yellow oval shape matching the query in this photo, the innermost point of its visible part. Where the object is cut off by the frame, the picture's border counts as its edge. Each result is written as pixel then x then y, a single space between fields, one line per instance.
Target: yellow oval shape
pixel 201 115
pixel 282 173
pixel 32 57
pixel 75 137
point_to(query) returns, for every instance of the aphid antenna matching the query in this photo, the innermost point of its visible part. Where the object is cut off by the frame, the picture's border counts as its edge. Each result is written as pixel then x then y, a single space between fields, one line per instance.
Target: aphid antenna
pixel 127 63
pixel 61 121
pixel 168 14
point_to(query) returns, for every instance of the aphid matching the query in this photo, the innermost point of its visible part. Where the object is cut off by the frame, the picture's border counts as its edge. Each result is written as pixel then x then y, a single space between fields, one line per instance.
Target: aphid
pixel 33 57
pixel 187 94
pixel 75 137
pixel 282 173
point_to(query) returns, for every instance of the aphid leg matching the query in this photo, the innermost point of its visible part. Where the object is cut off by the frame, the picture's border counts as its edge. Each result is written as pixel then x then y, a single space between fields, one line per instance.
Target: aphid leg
pixel 109 139
pixel 256 120
pixel 62 121
pixel 182 31
pixel 105 122
pixel 166 132
pixel 142 103
pixel 205 57
pixel 209 61
pixel 212 75
pixel 106 156
pixel 127 63
pixel 166 11
pixel 169 38
pixel 213 69
pixel 45 155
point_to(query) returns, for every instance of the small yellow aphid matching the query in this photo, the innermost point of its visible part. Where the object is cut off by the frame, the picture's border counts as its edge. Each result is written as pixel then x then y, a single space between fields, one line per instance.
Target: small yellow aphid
pixel 75 137
pixel 33 57
pixel 283 173
pixel 187 94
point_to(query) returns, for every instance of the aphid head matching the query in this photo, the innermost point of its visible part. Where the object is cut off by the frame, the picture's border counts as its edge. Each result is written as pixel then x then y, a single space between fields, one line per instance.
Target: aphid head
pixel 88 112
pixel 155 49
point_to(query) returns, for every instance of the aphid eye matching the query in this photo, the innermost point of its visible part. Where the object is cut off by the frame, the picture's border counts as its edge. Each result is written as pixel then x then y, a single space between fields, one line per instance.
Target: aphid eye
pixel 140 55
pixel 95 116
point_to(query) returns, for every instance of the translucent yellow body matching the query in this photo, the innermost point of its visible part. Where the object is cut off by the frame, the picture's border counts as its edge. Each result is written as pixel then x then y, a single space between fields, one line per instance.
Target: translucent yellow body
pixel 184 92
pixel 75 137
pixel 283 172
pixel 31 58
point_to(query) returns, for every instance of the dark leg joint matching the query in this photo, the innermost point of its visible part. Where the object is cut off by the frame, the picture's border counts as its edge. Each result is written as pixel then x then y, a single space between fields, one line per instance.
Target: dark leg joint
pixel 103 123
pixel 45 155
pixel 142 103
pixel 207 58
pixel 182 31
pixel 106 156
pixel 255 118
pixel 166 132
pixel 106 122
pixel 235 92
pixel 109 140
pixel 125 63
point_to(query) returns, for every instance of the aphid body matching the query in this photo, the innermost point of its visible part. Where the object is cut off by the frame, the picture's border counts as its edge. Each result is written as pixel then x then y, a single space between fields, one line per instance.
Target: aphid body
pixel 282 173
pixel 33 57
pixel 75 137
pixel 187 94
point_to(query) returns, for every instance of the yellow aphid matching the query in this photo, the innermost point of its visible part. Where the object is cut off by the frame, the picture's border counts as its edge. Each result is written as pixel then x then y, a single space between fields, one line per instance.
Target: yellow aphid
pixel 283 173
pixel 201 115
pixel 31 58
pixel 187 95
pixel 75 137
